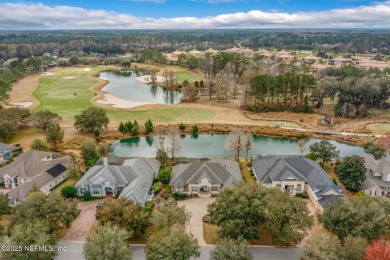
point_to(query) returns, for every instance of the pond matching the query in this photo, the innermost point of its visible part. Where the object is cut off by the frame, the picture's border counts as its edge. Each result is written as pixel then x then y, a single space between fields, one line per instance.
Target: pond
pixel 213 145
pixel 123 84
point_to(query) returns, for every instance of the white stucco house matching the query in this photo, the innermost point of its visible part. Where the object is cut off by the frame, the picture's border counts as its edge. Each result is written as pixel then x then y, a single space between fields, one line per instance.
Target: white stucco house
pixel 39 169
pixel 205 178
pixel 377 182
pixel 295 174
pixel 132 178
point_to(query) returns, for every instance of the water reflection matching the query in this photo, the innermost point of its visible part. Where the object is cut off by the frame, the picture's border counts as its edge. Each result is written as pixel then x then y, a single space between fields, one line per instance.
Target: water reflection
pixel 124 85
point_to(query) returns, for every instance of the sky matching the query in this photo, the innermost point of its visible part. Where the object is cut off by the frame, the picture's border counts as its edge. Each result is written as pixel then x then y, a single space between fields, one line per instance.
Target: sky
pixel 193 14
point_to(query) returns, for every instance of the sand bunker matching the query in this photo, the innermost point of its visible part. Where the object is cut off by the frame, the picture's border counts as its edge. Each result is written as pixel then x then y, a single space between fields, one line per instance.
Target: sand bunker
pixel 116 102
pixel 21 104
pixel 48 74
pixel 148 79
pixel 69 77
pixel 87 69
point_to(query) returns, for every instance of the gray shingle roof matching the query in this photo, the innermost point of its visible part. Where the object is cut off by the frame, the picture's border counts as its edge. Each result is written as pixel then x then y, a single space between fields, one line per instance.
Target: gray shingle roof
pixel 277 168
pixel 381 166
pixel 135 174
pixel 8 148
pixel 218 171
pixel 32 163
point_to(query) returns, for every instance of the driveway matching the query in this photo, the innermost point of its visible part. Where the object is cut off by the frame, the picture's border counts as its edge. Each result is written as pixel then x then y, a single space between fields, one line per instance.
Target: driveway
pixel 83 223
pixel 197 209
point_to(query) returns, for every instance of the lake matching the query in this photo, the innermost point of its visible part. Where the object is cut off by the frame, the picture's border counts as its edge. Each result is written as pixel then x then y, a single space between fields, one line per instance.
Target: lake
pixel 123 84
pixel 213 145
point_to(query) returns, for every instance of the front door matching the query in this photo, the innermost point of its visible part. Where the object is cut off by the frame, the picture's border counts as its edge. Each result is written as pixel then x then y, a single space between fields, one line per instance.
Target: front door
pixel 205 188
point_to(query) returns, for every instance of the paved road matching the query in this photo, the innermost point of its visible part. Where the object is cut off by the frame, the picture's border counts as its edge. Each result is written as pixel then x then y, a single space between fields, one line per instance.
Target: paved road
pixel 75 252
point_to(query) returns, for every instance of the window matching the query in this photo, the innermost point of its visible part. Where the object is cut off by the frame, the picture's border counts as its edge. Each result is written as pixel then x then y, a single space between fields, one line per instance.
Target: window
pixel 278 186
pixel 194 189
pixel 96 191
pixel 373 192
pixel 299 187
pixel 214 188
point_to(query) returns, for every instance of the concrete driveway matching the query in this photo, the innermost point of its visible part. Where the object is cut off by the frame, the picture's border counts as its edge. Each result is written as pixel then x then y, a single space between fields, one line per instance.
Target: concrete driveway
pixel 197 209
pixel 83 223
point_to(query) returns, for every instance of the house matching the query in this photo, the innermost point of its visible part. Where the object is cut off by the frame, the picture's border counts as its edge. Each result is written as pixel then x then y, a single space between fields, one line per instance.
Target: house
pixel 377 182
pixel 33 169
pixel 7 150
pixel 205 178
pixel 132 179
pixel 295 174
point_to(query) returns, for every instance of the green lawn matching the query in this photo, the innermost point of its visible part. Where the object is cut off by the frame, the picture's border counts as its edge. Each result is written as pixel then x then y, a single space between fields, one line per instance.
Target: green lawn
pixel 67 96
pixel 383 127
pixel 185 75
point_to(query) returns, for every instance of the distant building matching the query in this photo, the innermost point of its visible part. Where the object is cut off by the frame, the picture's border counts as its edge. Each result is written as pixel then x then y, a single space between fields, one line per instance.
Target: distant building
pixel 7 150
pixel 377 182
pixel 132 178
pixel 295 174
pixel 205 178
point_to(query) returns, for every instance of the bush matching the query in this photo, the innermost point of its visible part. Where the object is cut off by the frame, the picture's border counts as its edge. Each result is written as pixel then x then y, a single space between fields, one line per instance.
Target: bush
pixel 182 127
pixel 206 218
pixel 149 206
pixel 195 129
pixel 156 187
pixel 179 196
pixel 68 192
pixel 87 195
pixel 164 175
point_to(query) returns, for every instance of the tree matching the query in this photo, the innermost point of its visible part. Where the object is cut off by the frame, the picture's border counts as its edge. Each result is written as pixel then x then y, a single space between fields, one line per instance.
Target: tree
pixel 322 246
pixel 172 246
pixel 229 249
pixel 124 213
pixel 378 250
pixel 378 151
pixel 3 204
pixel 174 142
pixel 361 216
pixel 168 215
pixel 354 248
pixel 182 127
pixel 148 127
pixel 324 150
pixel 248 144
pixel 89 153
pixel 43 118
pixel 351 172
pixel 240 211
pixel 135 128
pixel 108 242
pixel 73 174
pixel 195 129
pixel 302 145
pixel 31 233
pixel 236 142
pixel 15 115
pixel 53 209
pixel 54 134
pixel 7 130
pixel 87 195
pixel 38 144
pixel 122 128
pixel 162 156
pixel 91 119
pixel 164 175
pixel 68 192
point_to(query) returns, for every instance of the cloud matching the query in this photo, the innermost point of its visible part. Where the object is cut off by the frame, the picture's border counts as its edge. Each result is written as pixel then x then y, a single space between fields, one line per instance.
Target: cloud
pixel 39 16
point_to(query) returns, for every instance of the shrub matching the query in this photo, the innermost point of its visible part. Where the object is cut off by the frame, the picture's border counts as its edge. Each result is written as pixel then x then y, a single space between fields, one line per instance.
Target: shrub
pixel 195 129
pixel 179 196
pixel 135 129
pixel 182 127
pixel 164 175
pixel 38 144
pixel 156 187
pixel 87 195
pixel 68 192
pixel 148 127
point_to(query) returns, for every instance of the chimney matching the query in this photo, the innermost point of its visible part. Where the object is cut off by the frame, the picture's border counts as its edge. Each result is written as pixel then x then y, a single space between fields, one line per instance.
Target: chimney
pixel 105 161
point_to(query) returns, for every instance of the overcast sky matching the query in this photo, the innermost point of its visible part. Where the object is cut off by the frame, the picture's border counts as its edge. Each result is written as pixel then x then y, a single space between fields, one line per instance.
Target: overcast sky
pixel 196 14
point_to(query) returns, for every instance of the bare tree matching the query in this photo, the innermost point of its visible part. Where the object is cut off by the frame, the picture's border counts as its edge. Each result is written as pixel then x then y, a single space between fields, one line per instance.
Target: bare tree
pixel 224 82
pixel 302 145
pixel 168 140
pixel 248 143
pixel 235 142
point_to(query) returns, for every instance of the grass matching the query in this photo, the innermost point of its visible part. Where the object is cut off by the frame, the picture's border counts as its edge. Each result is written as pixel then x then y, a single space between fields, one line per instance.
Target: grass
pixel 382 127
pixel 185 75
pixel 23 133
pixel 67 97
pixel 68 182
pixel 246 174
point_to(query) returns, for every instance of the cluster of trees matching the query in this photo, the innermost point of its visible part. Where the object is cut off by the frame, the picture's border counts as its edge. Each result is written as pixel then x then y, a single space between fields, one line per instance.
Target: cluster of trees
pixel 353 224
pixel 241 211
pixel 129 128
pixel 91 120
pixel 289 91
pixel 168 143
pixel 10 120
pixel 34 222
